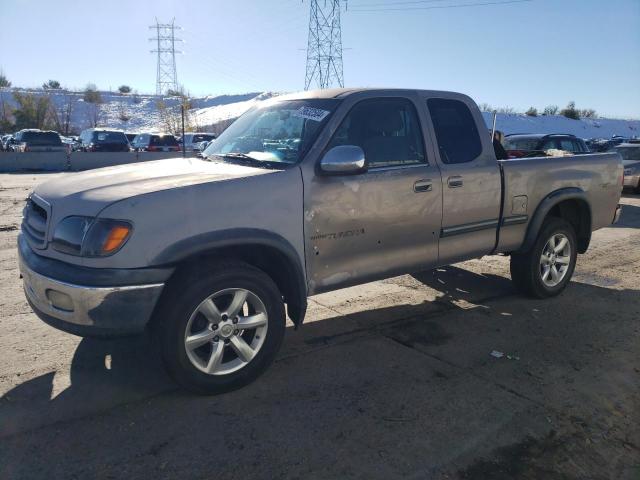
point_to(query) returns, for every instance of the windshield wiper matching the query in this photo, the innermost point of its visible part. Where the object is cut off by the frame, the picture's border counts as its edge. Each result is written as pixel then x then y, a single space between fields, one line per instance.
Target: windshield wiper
pixel 244 158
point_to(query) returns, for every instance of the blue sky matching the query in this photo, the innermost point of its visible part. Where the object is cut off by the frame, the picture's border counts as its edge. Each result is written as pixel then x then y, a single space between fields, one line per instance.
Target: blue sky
pixel 536 53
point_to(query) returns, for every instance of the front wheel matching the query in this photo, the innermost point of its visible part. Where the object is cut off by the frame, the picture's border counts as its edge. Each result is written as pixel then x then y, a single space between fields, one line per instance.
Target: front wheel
pixel 546 269
pixel 220 331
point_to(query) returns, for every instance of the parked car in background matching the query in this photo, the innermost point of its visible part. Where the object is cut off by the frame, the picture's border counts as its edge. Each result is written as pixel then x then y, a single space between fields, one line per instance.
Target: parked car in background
pixel 534 145
pixel 630 153
pixel 103 140
pixel 4 142
pixel 155 142
pixel 130 136
pixel 201 147
pixel 192 139
pixel 33 140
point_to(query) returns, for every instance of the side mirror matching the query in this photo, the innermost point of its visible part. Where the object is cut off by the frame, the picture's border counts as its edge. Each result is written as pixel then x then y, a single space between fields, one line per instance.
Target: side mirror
pixel 343 160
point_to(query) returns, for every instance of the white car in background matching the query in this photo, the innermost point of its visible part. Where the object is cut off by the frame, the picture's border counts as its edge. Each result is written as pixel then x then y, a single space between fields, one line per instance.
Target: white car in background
pixel 191 139
pixel 630 153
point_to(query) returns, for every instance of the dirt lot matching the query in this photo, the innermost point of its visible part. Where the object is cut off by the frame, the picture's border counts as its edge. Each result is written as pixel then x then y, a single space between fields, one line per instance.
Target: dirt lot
pixel 386 380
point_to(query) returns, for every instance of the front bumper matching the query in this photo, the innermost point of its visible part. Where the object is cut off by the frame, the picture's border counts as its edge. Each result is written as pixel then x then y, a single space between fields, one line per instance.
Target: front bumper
pixel 87 310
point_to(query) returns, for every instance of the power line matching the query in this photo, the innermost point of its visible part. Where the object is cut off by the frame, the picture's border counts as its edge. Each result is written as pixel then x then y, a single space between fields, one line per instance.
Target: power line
pixel 391 4
pixel 166 75
pixel 461 5
pixel 324 45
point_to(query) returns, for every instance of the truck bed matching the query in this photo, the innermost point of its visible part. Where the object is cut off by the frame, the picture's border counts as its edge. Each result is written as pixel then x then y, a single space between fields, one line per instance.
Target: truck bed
pixel 527 181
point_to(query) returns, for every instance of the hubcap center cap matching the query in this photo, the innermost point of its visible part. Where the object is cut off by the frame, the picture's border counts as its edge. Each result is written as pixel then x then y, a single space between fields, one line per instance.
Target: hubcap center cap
pixel 226 330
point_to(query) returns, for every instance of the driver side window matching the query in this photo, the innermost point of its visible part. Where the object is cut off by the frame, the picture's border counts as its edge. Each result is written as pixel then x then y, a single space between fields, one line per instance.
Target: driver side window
pixel 387 130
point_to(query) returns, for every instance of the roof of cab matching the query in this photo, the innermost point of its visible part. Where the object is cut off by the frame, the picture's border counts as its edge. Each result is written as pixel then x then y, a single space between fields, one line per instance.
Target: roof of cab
pixel 345 92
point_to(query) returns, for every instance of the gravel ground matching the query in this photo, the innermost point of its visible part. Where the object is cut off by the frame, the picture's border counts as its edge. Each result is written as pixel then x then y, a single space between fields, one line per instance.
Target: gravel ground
pixel 385 380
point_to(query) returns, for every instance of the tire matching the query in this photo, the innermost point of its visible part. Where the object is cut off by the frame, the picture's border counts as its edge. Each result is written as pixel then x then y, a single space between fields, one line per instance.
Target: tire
pixel 534 275
pixel 217 360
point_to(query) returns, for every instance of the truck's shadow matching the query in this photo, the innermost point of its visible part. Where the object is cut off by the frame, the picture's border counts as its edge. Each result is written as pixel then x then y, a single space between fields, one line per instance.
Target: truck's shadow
pixel 109 373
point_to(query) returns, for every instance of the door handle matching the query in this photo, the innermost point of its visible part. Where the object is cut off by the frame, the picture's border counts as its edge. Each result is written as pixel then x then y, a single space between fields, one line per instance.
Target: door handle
pixel 455 181
pixel 423 186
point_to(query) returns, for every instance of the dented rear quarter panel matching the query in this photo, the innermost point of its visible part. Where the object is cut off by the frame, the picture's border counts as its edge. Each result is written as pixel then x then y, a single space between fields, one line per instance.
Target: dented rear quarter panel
pixel 598 175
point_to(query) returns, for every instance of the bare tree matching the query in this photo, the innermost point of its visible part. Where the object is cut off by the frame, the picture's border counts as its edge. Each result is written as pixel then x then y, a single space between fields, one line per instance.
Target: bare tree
pixel 62 112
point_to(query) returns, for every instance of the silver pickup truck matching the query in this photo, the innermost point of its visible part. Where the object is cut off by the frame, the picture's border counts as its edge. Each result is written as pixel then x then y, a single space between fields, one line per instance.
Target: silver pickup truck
pixel 304 194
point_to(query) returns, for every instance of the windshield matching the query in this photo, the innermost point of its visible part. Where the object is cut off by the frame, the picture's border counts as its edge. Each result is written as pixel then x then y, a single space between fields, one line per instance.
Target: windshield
pixel 629 153
pixel 279 132
pixel 521 143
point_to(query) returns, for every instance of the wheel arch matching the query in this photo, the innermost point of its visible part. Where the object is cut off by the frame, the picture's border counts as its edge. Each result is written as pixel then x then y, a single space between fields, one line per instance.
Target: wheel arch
pixel 570 204
pixel 265 250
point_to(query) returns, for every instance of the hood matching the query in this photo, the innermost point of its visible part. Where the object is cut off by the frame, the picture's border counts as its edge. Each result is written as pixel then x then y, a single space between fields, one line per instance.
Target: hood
pixel 630 163
pixel 107 185
pixel 87 193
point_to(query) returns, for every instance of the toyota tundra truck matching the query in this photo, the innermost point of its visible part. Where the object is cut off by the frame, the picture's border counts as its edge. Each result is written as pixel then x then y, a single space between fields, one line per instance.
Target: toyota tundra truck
pixel 303 194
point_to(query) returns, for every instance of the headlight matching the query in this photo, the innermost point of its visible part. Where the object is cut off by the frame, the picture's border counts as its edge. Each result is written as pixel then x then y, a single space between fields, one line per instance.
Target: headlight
pixel 90 237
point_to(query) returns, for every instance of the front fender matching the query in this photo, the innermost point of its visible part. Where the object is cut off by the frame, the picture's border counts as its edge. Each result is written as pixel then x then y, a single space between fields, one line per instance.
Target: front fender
pixel 290 277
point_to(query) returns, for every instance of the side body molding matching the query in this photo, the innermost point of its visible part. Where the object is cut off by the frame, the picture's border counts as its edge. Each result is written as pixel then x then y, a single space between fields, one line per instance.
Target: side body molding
pixel 545 206
pixel 249 242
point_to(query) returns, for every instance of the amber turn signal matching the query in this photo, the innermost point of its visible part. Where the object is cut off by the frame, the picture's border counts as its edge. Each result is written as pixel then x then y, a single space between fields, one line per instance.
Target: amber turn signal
pixel 116 237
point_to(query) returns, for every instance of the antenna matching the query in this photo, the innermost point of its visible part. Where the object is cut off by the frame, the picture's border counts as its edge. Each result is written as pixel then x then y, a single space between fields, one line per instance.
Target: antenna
pixel 166 77
pixel 324 45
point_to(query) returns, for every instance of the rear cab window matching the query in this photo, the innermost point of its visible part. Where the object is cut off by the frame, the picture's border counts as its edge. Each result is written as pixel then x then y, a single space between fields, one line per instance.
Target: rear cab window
pixel 456 130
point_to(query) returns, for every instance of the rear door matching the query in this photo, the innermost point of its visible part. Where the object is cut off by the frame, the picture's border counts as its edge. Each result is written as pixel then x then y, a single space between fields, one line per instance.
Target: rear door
pixel 381 222
pixel 471 187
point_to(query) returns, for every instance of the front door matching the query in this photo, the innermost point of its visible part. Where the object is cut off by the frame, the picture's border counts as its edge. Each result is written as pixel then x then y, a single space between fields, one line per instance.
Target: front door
pixel 382 222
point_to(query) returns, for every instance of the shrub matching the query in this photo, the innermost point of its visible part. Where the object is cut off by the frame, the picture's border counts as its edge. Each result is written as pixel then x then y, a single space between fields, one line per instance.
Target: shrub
pixel 91 94
pixel 532 112
pixel 551 110
pixel 588 113
pixel 51 85
pixel 570 111
pixel 124 89
pixel 4 81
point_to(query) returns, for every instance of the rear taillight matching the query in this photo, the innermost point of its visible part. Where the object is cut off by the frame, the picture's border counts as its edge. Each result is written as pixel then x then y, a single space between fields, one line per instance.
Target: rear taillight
pixel 152 148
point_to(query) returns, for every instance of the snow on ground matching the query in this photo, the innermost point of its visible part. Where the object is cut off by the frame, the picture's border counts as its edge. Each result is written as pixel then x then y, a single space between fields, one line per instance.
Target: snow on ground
pixel 143 115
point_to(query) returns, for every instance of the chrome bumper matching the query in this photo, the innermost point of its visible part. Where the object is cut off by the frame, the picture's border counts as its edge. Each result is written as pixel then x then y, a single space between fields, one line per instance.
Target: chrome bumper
pixel 85 310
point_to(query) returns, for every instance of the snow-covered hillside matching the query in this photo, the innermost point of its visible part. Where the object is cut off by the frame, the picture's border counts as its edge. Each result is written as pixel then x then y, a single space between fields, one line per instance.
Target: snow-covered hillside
pixel 136 113
pixel 142 114
pixel 584 128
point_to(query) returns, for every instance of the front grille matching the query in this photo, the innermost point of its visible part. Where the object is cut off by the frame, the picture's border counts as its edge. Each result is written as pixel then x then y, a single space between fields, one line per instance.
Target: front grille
pixel 35 220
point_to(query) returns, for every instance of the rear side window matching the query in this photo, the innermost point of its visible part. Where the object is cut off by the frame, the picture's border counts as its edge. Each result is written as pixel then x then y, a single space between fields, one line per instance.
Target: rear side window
pixel 387 130
pixel 456 131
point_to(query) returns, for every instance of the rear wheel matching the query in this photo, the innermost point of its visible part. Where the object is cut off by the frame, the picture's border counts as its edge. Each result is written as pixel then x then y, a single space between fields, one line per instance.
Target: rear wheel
pixel 546 269
pixel 220 332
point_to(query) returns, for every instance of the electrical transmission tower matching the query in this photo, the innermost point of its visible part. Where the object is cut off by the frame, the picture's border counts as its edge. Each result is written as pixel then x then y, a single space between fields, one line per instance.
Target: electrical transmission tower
pixel 167 78
pixel 324 46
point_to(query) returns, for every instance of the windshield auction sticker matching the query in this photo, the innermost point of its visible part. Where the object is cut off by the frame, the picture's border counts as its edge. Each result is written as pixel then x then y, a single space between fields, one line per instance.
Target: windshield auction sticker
pixel 311 113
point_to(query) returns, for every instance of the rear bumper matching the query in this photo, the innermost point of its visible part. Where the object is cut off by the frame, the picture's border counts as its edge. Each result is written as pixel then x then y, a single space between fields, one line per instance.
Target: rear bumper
pixel 87 310
pixel 632 181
